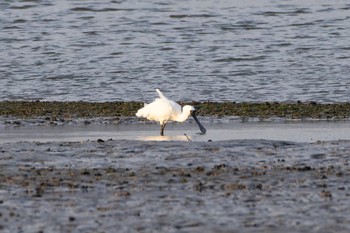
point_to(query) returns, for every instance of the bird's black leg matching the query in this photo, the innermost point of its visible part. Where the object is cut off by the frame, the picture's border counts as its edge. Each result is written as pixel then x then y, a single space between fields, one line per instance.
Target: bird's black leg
pixel 162 129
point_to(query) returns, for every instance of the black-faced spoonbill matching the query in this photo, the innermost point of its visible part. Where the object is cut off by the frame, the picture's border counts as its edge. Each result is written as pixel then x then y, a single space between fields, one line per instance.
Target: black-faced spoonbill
pixel 163 110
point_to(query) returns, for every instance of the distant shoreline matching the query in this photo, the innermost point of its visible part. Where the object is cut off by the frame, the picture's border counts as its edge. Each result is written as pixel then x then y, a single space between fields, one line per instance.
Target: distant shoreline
pixel 297 110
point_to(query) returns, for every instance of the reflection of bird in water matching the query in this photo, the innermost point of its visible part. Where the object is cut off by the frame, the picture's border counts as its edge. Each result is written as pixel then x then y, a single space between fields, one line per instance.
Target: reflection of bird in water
pixel 163 110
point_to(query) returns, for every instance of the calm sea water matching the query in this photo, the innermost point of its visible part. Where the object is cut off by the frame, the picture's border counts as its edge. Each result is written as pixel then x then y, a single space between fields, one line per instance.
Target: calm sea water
pixel 222 50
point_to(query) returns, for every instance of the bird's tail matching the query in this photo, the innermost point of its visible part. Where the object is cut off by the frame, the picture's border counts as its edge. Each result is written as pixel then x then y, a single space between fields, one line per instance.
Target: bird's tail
pixel 141 111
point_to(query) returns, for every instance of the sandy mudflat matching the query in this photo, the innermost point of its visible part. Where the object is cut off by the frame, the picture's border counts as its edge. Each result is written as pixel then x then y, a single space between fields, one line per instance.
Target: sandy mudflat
pixel 138 186
pixel 111 174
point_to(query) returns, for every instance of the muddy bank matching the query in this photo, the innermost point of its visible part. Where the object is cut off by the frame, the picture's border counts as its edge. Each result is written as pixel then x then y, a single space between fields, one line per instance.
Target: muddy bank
pixel 68 110
pixel 134 186
pixel 184 186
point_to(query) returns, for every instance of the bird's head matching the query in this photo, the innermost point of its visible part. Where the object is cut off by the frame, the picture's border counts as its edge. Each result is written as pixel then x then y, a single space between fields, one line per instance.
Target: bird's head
pixel 188 109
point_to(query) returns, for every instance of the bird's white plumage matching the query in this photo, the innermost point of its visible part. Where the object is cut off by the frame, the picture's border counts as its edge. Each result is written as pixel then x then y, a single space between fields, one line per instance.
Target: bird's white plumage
pixel 163 110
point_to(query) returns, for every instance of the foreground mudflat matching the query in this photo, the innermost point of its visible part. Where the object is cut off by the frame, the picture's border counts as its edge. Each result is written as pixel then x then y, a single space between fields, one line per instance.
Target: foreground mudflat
pixel 130 186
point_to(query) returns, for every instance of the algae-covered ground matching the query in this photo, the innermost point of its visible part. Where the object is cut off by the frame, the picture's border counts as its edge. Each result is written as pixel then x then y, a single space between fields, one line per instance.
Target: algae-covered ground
pixel 298 110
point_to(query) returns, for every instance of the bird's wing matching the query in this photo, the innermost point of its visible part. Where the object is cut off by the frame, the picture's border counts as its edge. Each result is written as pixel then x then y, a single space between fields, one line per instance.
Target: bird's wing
pixel 173 104
pixel 161 94
pixel 159 110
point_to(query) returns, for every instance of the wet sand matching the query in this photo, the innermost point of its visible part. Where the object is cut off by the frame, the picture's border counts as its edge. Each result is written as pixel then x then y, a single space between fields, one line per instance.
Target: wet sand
pixel 90 167
pixel 97 181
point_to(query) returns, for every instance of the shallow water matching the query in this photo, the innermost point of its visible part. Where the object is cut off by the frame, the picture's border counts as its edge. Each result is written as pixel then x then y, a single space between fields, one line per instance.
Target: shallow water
pixel 193 50
pixel 299 131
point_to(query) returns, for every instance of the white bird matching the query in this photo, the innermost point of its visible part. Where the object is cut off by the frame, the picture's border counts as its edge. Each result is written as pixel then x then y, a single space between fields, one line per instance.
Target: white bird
pixel 163 110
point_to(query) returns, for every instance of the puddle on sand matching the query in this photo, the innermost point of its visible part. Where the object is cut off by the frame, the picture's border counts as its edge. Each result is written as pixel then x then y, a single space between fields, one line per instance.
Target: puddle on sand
pixel 291 131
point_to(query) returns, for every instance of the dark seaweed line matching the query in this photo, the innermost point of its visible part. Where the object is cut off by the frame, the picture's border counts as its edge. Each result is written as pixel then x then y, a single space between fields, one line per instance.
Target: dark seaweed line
pixel 28 109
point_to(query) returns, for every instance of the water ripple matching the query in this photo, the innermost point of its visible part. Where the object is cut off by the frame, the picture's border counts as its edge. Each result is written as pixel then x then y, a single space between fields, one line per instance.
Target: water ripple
pixel 99 10
pixel 113 50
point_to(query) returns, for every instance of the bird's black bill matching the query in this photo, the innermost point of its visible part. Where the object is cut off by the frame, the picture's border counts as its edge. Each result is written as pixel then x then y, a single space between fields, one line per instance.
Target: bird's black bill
pixel 201 127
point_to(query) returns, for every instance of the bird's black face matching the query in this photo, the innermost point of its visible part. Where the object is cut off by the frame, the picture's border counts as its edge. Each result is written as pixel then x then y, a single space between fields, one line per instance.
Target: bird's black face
pixel 201 127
